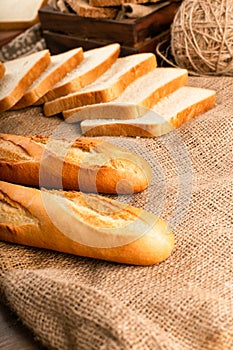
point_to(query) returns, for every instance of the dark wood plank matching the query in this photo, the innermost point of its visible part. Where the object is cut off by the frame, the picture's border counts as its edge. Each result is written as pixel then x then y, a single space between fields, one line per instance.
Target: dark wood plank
pixel 58 43
pixel 126 32
pixel 13 334
pixel 157 22
pixel 7 36
pixel 93 28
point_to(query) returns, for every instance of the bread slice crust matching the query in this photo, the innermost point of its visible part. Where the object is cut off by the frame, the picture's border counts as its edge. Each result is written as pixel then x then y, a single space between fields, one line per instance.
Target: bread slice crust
pixel 2 69
pixel 101 60
pixel 60 65
pixel 12 86
pixel 135 101
pixel 103 90
pixel 153 123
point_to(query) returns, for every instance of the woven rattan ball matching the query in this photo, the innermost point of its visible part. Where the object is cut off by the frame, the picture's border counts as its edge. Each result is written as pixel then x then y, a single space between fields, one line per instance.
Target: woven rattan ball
pixel 202 37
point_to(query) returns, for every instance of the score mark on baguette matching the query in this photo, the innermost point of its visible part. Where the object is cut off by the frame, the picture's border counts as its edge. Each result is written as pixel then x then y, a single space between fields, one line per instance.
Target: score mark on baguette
pixel 84 164
pixel 83 224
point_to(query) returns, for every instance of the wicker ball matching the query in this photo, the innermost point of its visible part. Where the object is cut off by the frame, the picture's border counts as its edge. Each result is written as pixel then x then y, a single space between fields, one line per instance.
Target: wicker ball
pixel 202 37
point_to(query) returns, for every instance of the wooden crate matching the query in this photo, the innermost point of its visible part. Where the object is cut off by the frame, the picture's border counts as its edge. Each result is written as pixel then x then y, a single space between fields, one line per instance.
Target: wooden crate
pixel 64 31
pixel 58 43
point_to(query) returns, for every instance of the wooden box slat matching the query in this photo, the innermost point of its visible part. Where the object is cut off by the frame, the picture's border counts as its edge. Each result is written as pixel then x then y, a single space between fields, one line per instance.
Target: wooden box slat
pixel 92 28
pixel 60 42
pixel 127 32
pixel 150 26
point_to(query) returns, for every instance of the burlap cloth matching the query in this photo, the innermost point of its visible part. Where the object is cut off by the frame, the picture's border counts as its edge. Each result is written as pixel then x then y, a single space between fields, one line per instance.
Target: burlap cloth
pixel 183 303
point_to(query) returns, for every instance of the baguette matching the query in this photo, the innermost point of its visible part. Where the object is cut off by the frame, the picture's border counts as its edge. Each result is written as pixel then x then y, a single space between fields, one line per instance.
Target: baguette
pixel 109 86
pixel 2 69
pixel 84 164
pixel 169 113
pixel 95 63
pixel 144 92
pixel 87 225
pixel 60 65
pixel 20 74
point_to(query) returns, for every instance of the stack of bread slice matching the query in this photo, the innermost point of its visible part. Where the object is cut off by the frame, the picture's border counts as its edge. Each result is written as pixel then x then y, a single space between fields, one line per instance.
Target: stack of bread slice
pixel 108 86
pixel 19 76
pixel 133 97
pixel 59 66
pixel 108 94
pixel 30 78
pixel 169 113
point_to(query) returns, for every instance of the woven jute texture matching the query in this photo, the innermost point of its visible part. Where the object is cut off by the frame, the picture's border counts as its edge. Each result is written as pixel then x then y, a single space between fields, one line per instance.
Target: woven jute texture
pixel 184 303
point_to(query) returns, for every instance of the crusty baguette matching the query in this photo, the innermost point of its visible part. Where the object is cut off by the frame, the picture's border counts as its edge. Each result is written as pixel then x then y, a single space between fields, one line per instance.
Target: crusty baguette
pixel 144 92
pixel 83 9
pixel 96 62
pixel 20 74
pixel 19 15
pixel 2 69
pixel 82 224
pixel 109 86
pixel 84 164
pixel 169 113
pixel 60 65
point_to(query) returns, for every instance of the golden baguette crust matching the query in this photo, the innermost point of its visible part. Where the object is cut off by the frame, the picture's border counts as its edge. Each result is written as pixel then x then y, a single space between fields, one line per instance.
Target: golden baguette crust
pixel 2 69
pixel 20 86
pixel 103 93
pixel 51 76
pixel 26 219
pixel 87 164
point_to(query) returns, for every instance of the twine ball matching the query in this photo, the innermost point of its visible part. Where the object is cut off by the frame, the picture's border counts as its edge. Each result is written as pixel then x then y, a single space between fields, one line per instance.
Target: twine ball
pixel 202 37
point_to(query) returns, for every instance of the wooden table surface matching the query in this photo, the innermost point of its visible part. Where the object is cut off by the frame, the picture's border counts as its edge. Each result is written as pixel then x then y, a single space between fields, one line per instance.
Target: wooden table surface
pixel 13 335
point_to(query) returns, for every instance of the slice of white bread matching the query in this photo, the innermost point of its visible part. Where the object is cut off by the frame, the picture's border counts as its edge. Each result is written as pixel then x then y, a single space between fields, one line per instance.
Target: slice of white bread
pixel 2 69
pixel 19 14
pixel 108 86
pixel 143 92
pixel 60 65
pixel 83 224
pixel 83 8
pixel 169 113
pixel 95 63
pixel 20 74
